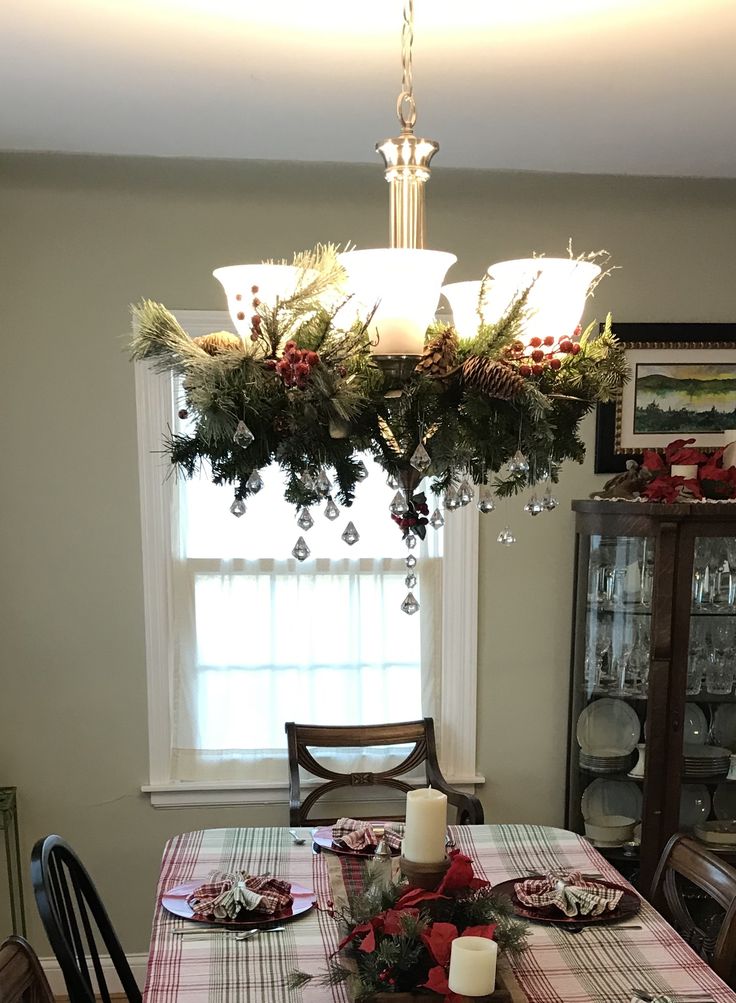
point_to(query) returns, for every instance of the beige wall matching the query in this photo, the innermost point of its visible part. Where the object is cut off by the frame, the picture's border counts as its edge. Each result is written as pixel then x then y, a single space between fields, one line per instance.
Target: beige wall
pixel 80 240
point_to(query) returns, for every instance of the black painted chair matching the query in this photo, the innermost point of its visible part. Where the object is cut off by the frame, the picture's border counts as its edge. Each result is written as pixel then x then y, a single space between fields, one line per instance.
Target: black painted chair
pixel 77 924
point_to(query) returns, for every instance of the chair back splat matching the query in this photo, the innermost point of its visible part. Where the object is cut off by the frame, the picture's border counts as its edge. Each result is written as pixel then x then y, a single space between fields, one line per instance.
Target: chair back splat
pixel 696 891
pixel 77 924
pixel 301 738
pixel 22 980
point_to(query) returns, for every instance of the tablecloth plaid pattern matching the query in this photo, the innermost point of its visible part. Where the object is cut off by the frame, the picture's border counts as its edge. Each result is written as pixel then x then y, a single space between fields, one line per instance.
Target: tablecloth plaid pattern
pixel 569 892
pixel 599 965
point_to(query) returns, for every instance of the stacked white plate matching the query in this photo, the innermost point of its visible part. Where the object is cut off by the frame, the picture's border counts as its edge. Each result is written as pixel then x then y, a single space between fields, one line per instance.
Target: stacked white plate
pixel 608 728
pixel 701 761
pixel 601 762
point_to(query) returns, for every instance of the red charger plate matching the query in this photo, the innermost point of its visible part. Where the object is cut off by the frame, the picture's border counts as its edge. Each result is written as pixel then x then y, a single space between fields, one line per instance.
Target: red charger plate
pixel 175 901
pixel 323 838
pixel 628 906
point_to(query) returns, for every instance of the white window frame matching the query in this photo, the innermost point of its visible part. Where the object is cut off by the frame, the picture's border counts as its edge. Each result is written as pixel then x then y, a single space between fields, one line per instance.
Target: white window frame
pixel 458 680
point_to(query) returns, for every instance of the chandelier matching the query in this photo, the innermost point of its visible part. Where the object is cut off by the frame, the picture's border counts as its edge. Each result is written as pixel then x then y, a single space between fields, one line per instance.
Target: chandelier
pixel 338 353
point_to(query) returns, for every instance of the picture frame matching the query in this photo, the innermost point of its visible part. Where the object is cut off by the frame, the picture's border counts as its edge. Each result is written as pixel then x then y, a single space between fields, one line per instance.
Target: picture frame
pixel 679 388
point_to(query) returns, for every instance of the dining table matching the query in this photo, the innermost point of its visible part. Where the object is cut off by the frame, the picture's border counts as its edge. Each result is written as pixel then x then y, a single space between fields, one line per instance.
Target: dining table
pixel 598 963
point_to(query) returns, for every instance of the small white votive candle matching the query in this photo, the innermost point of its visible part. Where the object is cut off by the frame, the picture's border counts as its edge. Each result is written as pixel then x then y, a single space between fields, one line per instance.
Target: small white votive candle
pixel 687 470
pixel 729 453
pixel 473 966
pixel 426 826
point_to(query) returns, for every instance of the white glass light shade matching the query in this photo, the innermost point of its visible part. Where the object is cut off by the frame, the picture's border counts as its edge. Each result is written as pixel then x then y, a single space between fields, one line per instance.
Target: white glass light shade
pixel 271 281
pixel 463 300
pixel 556 300
pixel 403 285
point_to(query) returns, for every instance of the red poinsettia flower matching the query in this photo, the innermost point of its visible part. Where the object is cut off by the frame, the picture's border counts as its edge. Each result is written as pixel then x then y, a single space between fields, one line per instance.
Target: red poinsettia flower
pixel 437 981
pixel 681 453
pixel 367 931
pixel 718 482
pixel 654 461
pixel 664 489
pixel 392 920
pixel 459 875
pixel 438 937
pixel 488 931
pixel 414 896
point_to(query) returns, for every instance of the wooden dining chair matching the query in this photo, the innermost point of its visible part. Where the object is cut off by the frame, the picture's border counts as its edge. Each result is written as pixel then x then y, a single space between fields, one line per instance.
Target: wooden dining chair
pixel 695 890
pixel 77 924
pixel 22 980
pixel 301 738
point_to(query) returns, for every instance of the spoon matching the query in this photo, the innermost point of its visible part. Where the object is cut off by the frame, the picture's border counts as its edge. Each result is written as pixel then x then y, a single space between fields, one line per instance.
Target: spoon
pixel 298 840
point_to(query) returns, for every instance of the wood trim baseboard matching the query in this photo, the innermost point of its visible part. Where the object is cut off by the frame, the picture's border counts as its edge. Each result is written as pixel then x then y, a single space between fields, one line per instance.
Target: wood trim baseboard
pixel 138 964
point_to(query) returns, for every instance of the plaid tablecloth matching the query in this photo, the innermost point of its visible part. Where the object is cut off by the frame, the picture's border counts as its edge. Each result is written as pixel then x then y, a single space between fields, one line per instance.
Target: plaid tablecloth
pixel 599 965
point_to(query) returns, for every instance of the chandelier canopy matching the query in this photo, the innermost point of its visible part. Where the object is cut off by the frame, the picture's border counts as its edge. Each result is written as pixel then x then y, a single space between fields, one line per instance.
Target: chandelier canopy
pixel 338 354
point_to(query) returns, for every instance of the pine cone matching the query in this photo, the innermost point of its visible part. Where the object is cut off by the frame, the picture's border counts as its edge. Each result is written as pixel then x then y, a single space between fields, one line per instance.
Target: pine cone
pixel 439 357
pixel 219 341
pixel 495 379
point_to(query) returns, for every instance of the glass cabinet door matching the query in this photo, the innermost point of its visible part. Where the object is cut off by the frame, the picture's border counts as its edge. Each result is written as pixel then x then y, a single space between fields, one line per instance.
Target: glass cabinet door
pixel 610 689
pixel 708 792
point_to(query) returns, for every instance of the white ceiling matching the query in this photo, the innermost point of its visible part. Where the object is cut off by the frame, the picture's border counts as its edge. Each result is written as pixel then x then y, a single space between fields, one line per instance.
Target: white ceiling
pixel 611 86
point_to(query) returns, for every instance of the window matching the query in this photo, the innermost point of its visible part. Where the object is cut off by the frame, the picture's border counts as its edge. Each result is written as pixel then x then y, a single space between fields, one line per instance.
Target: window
pixel 241 638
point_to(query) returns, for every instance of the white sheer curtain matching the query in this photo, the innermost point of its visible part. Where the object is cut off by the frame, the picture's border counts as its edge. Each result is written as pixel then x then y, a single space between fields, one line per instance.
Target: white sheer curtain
pixel 263 639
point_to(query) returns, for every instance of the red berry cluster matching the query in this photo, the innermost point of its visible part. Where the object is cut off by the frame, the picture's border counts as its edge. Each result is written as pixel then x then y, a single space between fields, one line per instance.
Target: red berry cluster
pixel 387 977
pixel 295 365
pixel 542 353
pixel 255 320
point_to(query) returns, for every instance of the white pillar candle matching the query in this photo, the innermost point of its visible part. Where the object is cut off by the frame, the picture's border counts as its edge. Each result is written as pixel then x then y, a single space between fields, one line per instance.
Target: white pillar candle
pixel 426 826
pixel 687 470
pixel 729 454
pixel 473 966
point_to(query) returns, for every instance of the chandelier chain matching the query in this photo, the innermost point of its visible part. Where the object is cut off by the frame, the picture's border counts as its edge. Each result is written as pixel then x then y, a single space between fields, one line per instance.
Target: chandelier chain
pixel 405 106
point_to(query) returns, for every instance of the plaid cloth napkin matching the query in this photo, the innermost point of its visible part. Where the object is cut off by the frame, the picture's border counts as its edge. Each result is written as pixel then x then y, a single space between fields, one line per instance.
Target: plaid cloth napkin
pixel 226 895
pixel 569 892
pixel 358 835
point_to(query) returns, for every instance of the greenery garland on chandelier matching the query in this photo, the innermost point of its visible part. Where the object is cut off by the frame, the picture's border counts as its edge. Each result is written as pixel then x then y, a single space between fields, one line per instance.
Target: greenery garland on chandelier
pixel 310 396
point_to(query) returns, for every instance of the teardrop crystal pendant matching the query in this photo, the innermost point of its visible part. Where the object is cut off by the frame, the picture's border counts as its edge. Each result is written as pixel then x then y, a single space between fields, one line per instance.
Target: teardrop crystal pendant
pixel 243 435
pixel 238 508
pixel 518 464
pixel 301 551
pixel 307 480
pixel 506 537
pixel 452 501
pixel 436 520
pixel 323 484
pixel 254 482
pixel 549 501
pixel 410 605
pixel 534 506
pixel 410 541
pixel 465 492
pixel 398 504
pixel 420 459
pixel 361 471
pixel 305 520
pixel 411 580
pixel 350 534
pixel 486 503
pixel 331 510
pixel 411 562
pixel 392 481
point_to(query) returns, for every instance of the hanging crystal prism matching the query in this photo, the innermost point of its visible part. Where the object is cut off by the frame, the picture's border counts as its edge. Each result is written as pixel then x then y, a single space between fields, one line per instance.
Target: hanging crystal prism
pixel 518 464
pixel 410 605
pixel 243 435
pixel 392 481
pixel 361 471
pixel 411 562
pixel 411 580
pixel 238 507
pixel 452 501
pixel 301 551
pixel 254 482
pixel 331 510
pixel 305 520
pixel 420 459
pixel 534 506
pixel 411 541
pixel 398 504
pixel 549 501
pixel 506 537
pixel 307 480
pixel 436 521
pixel 486 503
pixel 350 534
pixel 465 492
pixel 323 483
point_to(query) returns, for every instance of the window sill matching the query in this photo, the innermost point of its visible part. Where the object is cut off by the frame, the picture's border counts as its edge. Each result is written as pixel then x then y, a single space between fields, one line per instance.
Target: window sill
pixel 193 795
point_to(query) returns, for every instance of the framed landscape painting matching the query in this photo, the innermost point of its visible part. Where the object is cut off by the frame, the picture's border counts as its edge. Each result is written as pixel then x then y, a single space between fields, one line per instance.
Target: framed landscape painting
pixel 682 385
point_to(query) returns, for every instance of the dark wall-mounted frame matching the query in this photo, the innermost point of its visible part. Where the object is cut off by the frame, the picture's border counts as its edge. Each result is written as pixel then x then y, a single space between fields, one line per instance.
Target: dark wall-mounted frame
pixel 609 456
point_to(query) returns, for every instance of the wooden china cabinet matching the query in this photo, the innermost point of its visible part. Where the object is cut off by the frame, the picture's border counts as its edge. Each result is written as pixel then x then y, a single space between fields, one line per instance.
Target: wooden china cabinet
pixel 652 701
